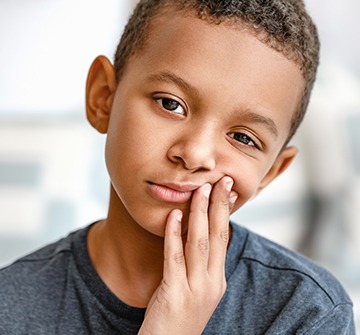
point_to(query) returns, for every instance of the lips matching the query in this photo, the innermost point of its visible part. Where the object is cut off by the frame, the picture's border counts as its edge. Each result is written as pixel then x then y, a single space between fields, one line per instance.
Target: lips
pixel 172 192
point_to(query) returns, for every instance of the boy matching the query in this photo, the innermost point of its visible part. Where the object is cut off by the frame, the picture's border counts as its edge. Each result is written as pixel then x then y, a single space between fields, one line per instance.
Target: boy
pixel 199 107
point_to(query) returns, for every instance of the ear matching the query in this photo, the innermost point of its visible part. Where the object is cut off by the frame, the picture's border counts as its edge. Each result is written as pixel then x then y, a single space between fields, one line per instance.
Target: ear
pixel 100 91
pixel 282 162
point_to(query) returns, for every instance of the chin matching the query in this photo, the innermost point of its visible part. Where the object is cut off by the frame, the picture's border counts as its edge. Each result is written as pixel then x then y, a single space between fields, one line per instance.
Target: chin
pixel 156 222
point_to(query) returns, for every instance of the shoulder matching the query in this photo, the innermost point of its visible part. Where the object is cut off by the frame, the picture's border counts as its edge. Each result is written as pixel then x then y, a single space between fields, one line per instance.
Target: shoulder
pixel 34 264
pixel 35 282
pixel 270 257
pixel 282 288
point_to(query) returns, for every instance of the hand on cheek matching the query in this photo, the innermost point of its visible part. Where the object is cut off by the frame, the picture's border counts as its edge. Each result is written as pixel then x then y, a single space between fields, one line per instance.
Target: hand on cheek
pixel 194 272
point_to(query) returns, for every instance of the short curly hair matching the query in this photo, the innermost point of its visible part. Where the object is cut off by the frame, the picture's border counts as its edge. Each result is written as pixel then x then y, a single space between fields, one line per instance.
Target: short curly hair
pixel 284 25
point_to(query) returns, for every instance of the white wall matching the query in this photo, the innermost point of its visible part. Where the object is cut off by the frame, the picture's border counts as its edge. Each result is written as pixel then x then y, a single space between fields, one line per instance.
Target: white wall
pixel 47 48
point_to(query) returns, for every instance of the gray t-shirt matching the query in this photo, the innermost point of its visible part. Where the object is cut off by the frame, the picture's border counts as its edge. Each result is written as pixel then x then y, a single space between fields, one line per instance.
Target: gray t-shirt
pixel 271 290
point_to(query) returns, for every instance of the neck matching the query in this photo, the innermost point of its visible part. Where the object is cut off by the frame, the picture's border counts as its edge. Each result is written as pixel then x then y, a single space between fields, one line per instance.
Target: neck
pixel 127 258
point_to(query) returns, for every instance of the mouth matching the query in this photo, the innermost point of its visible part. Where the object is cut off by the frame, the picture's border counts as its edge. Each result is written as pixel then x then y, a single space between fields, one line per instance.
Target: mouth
pixel 176 193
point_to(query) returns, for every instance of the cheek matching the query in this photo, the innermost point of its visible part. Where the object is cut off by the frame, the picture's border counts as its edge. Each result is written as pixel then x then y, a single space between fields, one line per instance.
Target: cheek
pixel 246 185
pixel 127 141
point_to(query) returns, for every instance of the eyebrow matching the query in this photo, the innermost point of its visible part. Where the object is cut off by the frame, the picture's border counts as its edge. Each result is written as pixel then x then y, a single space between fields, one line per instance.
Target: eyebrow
pixel 248 115
pixel 258 118
pixel 169 77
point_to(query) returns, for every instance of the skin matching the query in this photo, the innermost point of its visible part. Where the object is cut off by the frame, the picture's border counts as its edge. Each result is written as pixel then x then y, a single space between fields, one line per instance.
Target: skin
pixel 195 128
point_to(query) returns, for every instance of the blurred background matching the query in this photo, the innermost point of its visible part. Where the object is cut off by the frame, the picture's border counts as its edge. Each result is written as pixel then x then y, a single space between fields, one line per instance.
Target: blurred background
pixel 52 173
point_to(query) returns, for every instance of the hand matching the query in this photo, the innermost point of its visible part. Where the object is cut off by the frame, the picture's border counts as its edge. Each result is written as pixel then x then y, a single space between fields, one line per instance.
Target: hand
pixel 194 272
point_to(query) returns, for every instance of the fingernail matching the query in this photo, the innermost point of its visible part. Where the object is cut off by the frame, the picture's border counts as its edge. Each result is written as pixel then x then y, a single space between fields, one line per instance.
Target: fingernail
pixel 233 197
pixel 206 190
pixel 179 216
pixel 229 184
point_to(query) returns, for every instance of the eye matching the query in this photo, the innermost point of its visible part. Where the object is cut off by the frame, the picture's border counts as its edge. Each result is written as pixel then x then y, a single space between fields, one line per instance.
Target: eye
pixel 171 105
pixel 244 139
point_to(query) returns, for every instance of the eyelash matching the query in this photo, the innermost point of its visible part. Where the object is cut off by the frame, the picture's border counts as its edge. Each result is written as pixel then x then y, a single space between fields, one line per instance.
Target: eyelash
pixel 173 102
pixel 243 139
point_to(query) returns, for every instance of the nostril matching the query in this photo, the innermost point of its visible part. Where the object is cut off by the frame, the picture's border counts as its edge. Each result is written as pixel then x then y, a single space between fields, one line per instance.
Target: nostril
pixel 195 154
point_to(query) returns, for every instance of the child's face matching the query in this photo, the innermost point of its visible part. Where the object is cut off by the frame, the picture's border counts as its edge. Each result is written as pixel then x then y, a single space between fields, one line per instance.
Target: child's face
pixel 199 102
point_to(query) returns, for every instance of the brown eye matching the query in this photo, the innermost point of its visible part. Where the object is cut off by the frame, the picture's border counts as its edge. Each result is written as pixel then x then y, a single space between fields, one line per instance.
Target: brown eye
pixel 171 105
pixel 243 139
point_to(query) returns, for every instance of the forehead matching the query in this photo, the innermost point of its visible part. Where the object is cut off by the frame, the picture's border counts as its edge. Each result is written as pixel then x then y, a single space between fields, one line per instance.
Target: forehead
pixel 224 62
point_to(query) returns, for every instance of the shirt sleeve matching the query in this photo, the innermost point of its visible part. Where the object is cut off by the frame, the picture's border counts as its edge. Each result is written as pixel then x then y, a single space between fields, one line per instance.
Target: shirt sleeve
pixel 339 321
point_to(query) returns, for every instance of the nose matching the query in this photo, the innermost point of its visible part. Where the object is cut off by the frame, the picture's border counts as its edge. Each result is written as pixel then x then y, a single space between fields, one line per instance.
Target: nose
pixel 194 148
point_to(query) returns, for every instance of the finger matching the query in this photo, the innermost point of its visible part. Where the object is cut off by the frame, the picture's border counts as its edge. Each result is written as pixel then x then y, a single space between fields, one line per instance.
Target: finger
pixel 197 243
pixel 232 199
pixel 174 259
pixel 221 203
